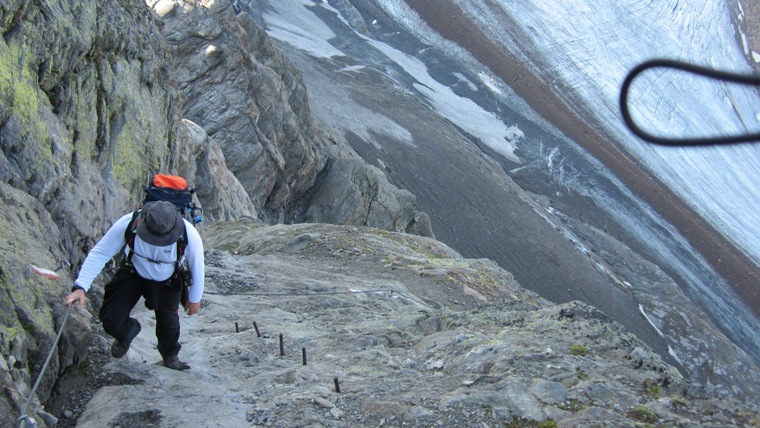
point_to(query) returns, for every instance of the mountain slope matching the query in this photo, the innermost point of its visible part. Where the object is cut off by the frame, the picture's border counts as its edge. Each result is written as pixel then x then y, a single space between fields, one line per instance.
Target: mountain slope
pixel 408 331
pixel 433 119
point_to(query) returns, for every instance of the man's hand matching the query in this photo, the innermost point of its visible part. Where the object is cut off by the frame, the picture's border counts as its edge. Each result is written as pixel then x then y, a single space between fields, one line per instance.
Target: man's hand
pixel 192 308
pixel 76 296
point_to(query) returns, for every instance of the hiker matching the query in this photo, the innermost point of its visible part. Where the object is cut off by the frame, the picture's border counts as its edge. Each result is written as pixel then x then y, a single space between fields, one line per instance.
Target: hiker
pixel 149 270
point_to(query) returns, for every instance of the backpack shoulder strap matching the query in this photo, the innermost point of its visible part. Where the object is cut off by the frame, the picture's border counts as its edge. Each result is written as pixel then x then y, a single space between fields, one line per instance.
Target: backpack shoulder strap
pixel 182 242
pixel 131 232
pixel 181 246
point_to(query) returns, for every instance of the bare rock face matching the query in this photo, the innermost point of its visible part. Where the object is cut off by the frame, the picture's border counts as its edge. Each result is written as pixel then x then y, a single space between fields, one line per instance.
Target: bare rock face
pixel 87 111
pixel 246 95
pixel 201 160
pixel 355 193
pixel 240 103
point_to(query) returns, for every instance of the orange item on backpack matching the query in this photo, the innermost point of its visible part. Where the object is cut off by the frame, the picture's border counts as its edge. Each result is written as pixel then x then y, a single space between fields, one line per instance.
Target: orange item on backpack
pixel 170 181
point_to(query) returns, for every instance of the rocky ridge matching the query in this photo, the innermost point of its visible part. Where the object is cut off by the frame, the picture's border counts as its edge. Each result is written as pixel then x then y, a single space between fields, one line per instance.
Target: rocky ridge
pixel 394 330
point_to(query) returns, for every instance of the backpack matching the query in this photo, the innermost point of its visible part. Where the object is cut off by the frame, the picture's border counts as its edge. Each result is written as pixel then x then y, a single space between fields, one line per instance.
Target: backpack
pixel 173 189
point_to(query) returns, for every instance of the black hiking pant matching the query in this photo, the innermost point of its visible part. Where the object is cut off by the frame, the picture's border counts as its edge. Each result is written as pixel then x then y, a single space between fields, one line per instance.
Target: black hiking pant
pixel 122 294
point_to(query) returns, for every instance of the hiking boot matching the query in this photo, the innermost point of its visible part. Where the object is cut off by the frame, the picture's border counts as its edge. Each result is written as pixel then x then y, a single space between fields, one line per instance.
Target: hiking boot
pixel 120 347
pixel 174 363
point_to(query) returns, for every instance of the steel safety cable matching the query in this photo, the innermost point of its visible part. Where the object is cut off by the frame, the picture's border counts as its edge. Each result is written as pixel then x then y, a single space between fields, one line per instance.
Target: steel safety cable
pixel 24 420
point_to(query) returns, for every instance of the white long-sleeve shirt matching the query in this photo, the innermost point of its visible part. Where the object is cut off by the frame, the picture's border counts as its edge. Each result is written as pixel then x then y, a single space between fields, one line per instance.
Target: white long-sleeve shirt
pixel 150 262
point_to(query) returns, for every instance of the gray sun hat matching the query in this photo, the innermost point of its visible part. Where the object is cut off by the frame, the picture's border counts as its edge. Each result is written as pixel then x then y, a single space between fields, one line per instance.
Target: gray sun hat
pixel 161 224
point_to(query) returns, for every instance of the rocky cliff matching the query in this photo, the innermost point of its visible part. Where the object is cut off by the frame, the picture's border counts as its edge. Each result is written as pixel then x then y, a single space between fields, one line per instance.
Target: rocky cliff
pixel 250 100
pixel 97 96
pixel 92 103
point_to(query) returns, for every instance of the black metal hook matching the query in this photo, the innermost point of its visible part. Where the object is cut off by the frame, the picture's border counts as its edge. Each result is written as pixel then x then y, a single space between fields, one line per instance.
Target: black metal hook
pixel 703 71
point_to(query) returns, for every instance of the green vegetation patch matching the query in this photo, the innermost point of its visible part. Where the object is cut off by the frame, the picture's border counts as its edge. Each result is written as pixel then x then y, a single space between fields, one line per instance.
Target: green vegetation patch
pixel 578 350
pixel 527 423
pixel 643 414
pixel 652 387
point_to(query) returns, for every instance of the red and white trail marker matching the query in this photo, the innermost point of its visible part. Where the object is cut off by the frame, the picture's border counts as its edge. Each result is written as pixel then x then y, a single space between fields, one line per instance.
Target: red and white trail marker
pixel 47 273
